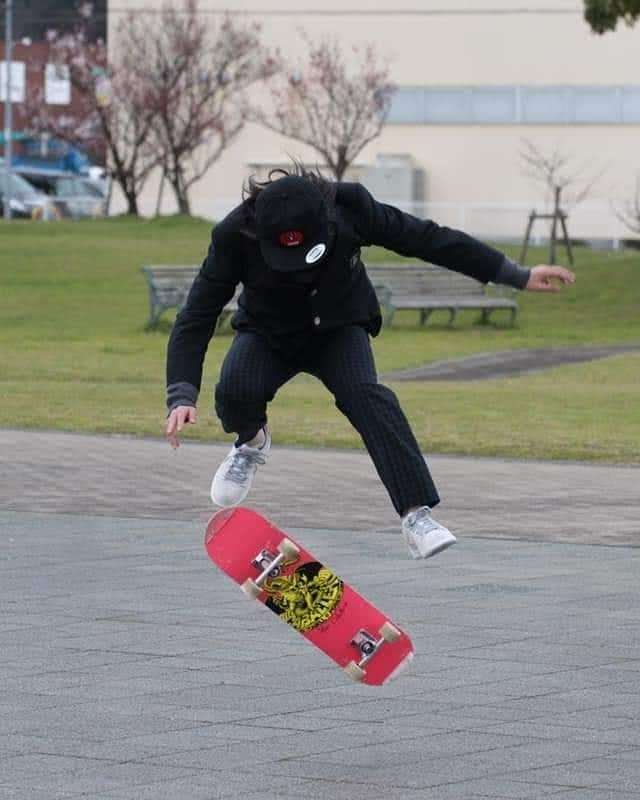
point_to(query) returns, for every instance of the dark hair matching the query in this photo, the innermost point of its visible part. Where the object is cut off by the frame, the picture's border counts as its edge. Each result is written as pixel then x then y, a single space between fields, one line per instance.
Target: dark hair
pixel 252 186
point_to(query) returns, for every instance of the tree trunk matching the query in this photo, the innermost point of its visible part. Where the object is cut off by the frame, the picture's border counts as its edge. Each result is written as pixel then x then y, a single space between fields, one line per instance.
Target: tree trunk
pixel 175 177
pixel 160 193
pixel 554 224
pixel 181 195
pixel 123 176
pixel 125 182
pixel 339 172
pixel 341 164
pixel 132 203
pixel 184 206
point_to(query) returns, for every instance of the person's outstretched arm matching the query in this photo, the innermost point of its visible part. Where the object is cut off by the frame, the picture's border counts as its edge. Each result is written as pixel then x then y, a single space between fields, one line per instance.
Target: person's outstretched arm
pixel 389 227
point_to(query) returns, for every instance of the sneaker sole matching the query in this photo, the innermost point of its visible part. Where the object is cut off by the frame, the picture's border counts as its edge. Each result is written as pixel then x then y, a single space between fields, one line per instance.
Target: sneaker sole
pixel 230 501
pixel 438 547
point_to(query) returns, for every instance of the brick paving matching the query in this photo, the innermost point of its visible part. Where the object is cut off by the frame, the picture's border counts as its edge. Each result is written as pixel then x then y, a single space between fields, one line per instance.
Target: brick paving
pixel 130 668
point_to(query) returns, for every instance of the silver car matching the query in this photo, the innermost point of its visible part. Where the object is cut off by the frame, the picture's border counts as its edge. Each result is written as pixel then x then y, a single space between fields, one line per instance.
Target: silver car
pixel 24 200
pixel 73 195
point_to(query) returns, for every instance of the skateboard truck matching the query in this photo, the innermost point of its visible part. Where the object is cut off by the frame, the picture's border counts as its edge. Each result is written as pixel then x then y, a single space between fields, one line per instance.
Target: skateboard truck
pixel 264 559
pixel 368 645
pixel 269 563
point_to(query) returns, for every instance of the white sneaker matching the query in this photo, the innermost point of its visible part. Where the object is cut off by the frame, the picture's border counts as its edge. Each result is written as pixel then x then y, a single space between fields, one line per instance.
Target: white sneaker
pixel 423 535
pixel 233 478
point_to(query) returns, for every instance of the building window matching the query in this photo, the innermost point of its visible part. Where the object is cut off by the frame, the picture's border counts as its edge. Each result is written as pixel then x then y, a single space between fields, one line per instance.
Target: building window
pixel 446 105
pixel 597 105
pixel 631 104
pixel 493 105
pixel 544 105
pixel 516 105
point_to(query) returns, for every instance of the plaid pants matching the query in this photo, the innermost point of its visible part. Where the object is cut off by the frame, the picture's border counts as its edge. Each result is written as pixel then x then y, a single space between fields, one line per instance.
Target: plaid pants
pixel 252 373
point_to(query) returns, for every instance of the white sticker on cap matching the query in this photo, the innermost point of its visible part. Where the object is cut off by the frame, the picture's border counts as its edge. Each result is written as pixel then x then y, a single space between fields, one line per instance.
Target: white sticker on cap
pixel 316 253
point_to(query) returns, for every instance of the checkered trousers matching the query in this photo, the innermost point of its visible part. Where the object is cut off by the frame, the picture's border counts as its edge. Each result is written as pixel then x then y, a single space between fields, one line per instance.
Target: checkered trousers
pixel 252 373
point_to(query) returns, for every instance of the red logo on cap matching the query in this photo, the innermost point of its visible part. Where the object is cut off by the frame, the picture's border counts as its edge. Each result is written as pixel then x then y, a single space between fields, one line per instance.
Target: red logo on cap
pixel 291 238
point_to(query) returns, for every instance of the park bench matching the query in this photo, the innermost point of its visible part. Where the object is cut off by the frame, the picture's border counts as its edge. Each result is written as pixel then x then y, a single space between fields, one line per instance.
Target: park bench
pixel 169 287
pixel 423 287
pixel 427 288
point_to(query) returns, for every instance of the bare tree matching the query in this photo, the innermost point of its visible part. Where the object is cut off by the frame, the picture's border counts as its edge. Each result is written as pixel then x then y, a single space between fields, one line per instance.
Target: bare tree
pixel 323 103
pixel 566 185
pixel 557 172
pixel 629 214
pixel 194 79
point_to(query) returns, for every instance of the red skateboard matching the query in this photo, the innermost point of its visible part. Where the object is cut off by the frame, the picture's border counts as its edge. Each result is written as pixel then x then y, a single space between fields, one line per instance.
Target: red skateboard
pixel 274 569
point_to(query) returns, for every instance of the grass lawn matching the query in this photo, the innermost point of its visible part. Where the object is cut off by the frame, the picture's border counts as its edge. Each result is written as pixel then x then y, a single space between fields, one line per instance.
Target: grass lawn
pixel 74 354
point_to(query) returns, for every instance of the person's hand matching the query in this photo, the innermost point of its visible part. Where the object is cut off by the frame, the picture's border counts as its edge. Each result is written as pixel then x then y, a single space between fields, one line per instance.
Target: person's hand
pixel 177 419
pixel 544 278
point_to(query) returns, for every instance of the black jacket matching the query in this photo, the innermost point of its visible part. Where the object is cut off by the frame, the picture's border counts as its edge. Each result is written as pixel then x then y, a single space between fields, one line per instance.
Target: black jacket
pixel 291 316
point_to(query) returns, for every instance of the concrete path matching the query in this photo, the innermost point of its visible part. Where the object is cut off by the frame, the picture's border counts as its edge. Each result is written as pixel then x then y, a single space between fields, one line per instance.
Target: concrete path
pixel 130 668
pixel 507 363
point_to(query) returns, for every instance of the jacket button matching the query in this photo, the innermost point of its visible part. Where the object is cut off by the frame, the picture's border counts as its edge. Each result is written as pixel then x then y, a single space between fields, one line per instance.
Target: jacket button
pixel 316 320
pixel 313 293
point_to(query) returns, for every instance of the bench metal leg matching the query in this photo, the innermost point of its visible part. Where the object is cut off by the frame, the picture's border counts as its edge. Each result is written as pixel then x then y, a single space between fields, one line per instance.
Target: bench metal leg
pixel 425 313
pixel 487 312
pixel 154 317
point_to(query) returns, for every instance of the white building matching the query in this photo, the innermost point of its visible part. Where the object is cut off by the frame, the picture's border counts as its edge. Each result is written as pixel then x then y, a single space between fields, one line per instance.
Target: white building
pixel 475 78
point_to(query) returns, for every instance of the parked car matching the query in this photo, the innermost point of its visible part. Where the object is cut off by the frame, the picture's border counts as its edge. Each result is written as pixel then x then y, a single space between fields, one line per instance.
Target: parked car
pixel 25 200
pixel 73 195
pixel 98 176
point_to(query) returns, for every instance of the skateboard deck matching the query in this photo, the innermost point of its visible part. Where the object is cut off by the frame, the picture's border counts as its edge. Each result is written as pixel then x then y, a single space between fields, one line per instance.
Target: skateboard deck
pixel 271 567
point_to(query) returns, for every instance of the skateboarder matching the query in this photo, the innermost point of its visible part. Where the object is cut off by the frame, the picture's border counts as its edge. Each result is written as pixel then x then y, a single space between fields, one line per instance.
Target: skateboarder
pixel 307 305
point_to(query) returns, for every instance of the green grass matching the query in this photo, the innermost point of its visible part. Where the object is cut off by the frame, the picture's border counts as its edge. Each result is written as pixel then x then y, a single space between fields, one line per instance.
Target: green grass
pixel 74 354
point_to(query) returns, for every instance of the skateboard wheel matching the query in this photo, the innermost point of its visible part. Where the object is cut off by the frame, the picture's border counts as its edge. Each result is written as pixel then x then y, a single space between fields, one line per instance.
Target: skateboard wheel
pixel 355 672
pixel 251 588
pixel 288 549
pixel 389 632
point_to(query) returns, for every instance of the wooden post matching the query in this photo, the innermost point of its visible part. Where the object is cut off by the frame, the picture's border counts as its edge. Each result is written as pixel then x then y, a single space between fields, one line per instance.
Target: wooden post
pixel 558 216
pixel 525 244
pixel 565 236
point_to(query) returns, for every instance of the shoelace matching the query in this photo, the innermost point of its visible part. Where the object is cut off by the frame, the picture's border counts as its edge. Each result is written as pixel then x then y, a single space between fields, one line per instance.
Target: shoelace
pixel 243 461
pixel 423 520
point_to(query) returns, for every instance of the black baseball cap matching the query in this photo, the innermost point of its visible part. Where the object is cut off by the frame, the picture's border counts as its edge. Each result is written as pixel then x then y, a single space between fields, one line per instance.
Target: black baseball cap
pixel 292 224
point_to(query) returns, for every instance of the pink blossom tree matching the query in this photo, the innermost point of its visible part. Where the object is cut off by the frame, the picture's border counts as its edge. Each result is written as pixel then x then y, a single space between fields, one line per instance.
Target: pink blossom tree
pixel 169 96
pixel 195 77
pixel 109 108
pixel 334 103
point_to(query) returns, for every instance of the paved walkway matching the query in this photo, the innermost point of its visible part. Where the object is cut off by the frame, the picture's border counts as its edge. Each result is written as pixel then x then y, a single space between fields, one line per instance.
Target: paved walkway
pixel 507 363
pixel 131 669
